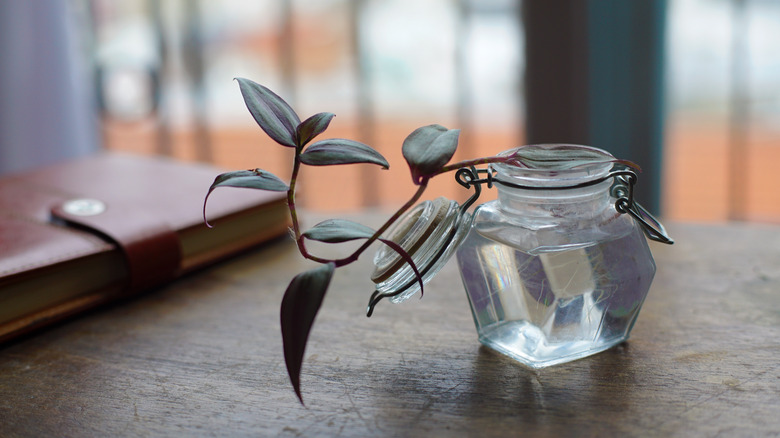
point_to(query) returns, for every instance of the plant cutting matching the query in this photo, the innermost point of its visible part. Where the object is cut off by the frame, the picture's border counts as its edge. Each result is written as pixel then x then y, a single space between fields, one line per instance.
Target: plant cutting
pixel 427 151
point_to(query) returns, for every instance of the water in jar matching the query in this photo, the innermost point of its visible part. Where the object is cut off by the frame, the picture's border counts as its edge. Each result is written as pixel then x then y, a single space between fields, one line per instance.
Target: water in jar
pixel 554 306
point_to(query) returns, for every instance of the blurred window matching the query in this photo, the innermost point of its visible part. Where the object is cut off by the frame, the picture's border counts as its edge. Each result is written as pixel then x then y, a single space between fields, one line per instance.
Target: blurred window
pixel 387 67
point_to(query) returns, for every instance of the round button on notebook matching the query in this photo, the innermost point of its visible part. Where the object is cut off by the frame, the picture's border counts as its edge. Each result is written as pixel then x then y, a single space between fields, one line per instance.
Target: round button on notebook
pixel 84 207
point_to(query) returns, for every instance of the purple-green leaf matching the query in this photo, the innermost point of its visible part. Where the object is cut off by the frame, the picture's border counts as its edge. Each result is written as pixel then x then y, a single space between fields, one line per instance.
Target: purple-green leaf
pixel 341 151
pixel 313 126
pixel 271 112
pixel 337 231
pixel 252 179
pixel 428 149
pixel 300 305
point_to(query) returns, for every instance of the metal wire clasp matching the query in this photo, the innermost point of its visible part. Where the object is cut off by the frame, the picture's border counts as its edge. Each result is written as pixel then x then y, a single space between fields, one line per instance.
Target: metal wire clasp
pixel 622 190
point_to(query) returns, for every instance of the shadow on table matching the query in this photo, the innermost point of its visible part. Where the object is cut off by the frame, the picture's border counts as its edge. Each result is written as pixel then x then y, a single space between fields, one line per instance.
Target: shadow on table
pixel 498 394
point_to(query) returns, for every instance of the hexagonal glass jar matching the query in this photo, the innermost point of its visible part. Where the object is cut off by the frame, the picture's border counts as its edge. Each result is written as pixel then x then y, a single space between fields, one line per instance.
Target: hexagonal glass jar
pixel 553 271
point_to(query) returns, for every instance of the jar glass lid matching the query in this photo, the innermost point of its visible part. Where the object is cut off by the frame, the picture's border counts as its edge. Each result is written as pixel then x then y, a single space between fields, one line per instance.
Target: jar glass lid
pixel 430 233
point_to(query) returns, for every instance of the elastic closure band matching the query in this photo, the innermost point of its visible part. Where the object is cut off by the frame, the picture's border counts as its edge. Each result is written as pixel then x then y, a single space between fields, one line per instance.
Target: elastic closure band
pixel 151 248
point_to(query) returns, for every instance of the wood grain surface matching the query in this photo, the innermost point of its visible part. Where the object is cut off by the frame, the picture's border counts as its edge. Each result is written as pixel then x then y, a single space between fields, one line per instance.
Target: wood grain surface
pixel 203 357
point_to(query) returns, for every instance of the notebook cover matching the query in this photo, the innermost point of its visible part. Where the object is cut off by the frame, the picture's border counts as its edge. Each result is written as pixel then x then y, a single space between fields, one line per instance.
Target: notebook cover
pixel 57 260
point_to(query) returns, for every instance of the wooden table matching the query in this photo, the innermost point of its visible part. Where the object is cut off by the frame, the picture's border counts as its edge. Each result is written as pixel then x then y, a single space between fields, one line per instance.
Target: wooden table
pixel 203 357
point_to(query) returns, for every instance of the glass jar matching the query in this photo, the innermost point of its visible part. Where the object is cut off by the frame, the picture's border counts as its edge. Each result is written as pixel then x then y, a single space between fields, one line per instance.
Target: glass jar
pixel 553 269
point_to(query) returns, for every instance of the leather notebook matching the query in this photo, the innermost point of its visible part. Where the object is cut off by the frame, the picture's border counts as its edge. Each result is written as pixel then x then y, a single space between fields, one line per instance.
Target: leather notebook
pixel 85 232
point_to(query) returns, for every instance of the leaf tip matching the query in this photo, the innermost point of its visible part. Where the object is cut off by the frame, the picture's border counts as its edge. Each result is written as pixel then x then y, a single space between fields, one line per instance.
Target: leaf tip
pixel 206 200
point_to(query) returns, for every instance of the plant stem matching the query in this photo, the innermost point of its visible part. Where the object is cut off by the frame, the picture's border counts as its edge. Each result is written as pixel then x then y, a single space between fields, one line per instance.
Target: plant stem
pixel 356 254
pixel 409 204
pixel 300 240
pixel 291 204
pixel 475 162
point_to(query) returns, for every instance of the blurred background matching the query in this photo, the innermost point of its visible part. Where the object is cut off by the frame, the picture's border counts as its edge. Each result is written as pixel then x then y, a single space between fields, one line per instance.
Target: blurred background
pixel 689 89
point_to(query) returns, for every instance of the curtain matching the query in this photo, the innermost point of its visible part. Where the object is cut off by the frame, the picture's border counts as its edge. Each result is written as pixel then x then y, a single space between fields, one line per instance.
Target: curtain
pixel 46 98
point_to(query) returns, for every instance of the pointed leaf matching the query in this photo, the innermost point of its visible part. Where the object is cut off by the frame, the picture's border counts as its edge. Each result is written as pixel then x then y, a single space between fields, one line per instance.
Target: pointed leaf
pixel 271 112
pixel 253 179
pixel 337 231
pixel 428 149
pixel 300 305
pixel 341 151
pixel 313 126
